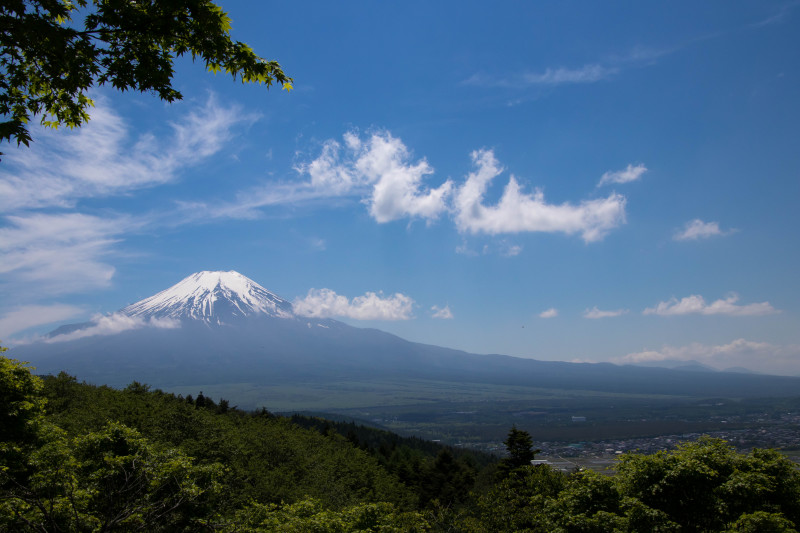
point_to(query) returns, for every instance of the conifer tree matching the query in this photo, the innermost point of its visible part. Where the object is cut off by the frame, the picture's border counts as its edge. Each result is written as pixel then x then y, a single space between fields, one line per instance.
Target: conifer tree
pixel 519 446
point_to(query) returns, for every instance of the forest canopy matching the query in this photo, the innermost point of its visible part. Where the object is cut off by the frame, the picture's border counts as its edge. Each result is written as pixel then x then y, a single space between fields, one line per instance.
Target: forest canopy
pixel 77 457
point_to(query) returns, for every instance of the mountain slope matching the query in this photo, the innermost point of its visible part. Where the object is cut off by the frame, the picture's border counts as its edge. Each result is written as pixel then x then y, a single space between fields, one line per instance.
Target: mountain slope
pixel 221 327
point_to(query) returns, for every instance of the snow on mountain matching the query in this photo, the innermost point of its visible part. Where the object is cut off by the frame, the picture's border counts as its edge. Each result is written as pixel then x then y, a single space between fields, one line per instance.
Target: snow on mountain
pixel 212 297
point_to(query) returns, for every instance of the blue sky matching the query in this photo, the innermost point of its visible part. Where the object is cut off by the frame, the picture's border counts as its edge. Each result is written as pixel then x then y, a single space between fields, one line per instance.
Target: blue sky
pixel 575 181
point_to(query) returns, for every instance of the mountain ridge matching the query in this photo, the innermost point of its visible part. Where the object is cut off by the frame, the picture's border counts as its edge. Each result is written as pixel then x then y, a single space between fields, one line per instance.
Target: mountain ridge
pixel 225 328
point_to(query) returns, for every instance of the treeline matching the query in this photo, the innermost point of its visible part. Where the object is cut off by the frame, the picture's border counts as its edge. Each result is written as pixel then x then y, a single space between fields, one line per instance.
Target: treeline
pixel 77 457
pixel 433 472
pixel 383 442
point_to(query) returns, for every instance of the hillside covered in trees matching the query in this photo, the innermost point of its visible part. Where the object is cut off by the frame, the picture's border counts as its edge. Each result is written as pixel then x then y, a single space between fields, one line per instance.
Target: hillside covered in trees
pixel 78 457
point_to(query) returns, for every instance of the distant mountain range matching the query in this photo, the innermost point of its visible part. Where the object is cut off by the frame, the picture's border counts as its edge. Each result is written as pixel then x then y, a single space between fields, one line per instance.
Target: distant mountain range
pixel 222 327
pixel 695 366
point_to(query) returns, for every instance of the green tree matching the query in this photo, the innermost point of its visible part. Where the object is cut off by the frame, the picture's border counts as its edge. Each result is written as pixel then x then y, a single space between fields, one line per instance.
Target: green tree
pixel 761 522
pixel 707 486
pixel 519 502
pixel 519 446
pixel 49 60
pixel 445 480
pixel 703 486
pixel 590 502
pixel 21 417
pixel 309 516
pixel 113 479
pixel 109 479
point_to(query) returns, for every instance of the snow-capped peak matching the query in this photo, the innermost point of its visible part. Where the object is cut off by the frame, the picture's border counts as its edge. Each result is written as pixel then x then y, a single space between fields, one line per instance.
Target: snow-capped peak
pixel 212 297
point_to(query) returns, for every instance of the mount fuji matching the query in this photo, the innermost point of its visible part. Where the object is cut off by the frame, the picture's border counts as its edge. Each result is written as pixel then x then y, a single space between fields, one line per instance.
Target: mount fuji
pixel 212 297
pixel 215 328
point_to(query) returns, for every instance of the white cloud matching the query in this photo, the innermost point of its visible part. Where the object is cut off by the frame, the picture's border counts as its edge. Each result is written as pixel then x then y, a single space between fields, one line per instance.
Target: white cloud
pixel 756 356
pixel 441 312
pixel 520 212
pixel 465 249
pixel 595 313
pixel 329 174
pixel 325 303
pixel 590 73
pixel 59 253
pixel 113 324
pixel 697 229
pixel 637 57
pixel 378 170
pixel 383 163
pixel 249 202
pixel 28 316
pixel 778 17
pixel 102 159
pixel 696 304
pixel 397 190
pixel 45 252
pixel 559 76
pixel 318 244
pixel 549 313
pixel 630 173
pixel 502 247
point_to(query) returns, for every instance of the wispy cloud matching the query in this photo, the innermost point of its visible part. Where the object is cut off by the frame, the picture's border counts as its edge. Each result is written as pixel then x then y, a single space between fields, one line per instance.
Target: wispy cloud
pixel 29 316
pixel 318 244
pixel 595 313
pixel 696 304
pixel 630 173
pixel 44 248
pixel 585 74
pixel 325 303
pixel 60 253
pixel 590 73
pixel 464 248
pixel 549 313
pixel 697 229
pixel 779 16
pixel 502 247
pixel 756 356
pixel 605 69
pixel 250 203
pixel 102 158
pixel 441 312
pixel 113 324
pixel 520 212
pixel 510 250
